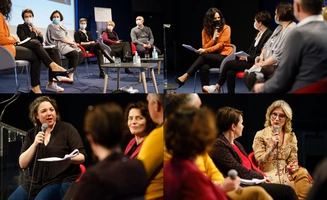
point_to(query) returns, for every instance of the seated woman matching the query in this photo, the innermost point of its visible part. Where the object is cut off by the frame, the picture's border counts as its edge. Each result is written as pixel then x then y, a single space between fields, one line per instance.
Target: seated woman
pixel 227 153
pixel 140 125
pixel 273 49
pixel 261 22
pixel 28 29
pixel 215 47
pixel 114 176
pixel 84 38
pixel 20 52
pixel 118 47
pixel 48 180
pixel 59 36
pixel 275 150
pixel 186 140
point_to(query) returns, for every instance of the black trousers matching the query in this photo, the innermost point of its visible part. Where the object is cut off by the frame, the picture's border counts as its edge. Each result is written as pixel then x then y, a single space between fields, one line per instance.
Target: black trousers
pixel 251 78
pixel 141 50
pixel 54 54
pixel 120 49
pixel 74 58
pixel 229 72
pixel 23 53
pixel 203 63
pixel 98 50
pixel 279 191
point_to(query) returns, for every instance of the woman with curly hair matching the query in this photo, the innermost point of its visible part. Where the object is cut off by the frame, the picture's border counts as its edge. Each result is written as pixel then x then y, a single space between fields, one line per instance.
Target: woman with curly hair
pixel 215 47
pixel 275 150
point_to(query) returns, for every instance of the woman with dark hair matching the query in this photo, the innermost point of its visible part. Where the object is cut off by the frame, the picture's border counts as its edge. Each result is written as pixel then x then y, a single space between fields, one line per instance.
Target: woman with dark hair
pixel 227 153
pixel 28 29
pixel 261 22
pixel 115 176
pixel 20 52
pixel 59 36
pixel 273 48
pixel 48 180
pixel 140 125
pixel 215 47
pixel 84 38
pixel 275 150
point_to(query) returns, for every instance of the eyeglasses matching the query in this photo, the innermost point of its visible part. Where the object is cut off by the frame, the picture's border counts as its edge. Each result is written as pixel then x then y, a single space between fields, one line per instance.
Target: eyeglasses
pixel 280 116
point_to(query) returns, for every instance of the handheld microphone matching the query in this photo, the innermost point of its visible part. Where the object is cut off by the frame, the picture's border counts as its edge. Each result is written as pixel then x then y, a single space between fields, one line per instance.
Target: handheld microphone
pixel 276 129
pixel 44 127
pixel 232 174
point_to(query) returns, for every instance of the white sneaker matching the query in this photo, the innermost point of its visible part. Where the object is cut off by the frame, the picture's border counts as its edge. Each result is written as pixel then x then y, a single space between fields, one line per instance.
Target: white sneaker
pixel 210 89
pixel 129 89
pixel 54 88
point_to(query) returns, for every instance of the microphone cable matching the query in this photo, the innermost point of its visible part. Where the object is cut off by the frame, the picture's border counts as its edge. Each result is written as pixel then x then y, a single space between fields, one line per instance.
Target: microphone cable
pixel 36 153
pixel 278 164
pixel 11 100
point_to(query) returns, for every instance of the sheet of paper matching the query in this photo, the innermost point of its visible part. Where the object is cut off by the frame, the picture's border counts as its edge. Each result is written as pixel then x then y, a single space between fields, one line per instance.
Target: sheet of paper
pixel 241 53
pixel 22 42
pixel 53 159
pixel 189 47
pixel 254 181
pixel 49 47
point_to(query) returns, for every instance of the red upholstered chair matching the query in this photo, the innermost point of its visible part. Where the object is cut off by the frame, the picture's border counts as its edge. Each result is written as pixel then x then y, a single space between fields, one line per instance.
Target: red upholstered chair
pixel 87 56
pixel 83 170
pixel 318 88
pixel 240 74
pixel 133 47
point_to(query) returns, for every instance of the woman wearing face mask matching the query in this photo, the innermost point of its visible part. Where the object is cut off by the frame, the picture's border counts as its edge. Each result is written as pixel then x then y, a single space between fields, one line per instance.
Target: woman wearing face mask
pixel 118 47
pixel 28 29
pixel 261 22
pixel 140 125
pixel 58 35
pixel 84 38
pixel 273 48
pixel 215 47
pixel 20 52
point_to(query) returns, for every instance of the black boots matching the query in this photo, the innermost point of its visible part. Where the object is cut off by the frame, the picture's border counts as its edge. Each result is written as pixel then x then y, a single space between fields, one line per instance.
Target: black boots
pixel 127 57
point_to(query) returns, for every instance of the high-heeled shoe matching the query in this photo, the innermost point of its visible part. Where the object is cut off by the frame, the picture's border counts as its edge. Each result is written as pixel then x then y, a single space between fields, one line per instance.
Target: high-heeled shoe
pixel 180 83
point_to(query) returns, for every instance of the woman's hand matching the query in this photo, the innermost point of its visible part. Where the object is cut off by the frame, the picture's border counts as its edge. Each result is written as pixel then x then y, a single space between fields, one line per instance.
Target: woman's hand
pixel 16 38
pixel 292 167
pixel 200 51
pixel 215 35
pixel 243 58
pixel 74 45
pixel 230 184
pixel 39 138
pixel 276 138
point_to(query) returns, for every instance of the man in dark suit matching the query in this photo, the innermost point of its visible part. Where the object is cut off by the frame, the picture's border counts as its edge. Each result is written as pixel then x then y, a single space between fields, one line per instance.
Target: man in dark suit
pixel 304 60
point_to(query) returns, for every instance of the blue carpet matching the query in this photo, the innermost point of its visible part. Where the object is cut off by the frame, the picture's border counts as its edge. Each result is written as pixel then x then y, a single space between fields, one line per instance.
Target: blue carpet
pixel 84 83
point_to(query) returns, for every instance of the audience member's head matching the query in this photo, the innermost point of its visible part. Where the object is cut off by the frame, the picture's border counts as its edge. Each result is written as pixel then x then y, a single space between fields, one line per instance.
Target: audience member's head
pixel 190 132
pixel 263 17
pixel 324 13
pixel 226 117
pixel 138 119
pixel 173 101
pixel 284 12
pixel 155 107
pixel 282 111
pixel 104 125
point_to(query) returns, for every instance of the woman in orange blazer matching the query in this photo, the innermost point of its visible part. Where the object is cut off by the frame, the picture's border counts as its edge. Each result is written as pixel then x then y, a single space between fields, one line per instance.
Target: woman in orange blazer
pixel 215 47
pixel 140 125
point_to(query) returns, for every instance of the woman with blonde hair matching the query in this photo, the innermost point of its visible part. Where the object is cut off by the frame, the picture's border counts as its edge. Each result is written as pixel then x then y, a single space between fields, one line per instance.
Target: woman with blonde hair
pixel 275 150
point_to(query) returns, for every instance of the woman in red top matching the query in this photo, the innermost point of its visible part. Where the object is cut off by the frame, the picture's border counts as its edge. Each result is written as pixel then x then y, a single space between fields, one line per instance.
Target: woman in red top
pixel 215 47
pixel 140 125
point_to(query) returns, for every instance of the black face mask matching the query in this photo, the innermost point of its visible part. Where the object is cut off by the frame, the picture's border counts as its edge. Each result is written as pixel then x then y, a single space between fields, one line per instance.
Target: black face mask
pixel 217 23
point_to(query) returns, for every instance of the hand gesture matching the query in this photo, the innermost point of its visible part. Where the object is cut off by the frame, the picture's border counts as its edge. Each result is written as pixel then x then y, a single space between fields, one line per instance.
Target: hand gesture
pixel 200 51
pixel 39 138
pixel 230 184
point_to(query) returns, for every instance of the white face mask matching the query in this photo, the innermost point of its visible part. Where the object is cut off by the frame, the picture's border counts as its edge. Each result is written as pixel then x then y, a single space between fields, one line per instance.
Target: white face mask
pixel 82 26
pixel 110 28
pixel 138 22
pixel 255 26
pixel 29 20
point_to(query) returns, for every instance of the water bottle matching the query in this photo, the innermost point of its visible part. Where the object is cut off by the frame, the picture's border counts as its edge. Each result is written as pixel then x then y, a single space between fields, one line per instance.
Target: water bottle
pixel 138 59
pixel 154 53
pixel 134 57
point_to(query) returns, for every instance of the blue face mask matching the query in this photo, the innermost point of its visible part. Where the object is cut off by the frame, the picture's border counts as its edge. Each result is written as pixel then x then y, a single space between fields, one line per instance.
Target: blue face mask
pixel 276 21
pixel 56 20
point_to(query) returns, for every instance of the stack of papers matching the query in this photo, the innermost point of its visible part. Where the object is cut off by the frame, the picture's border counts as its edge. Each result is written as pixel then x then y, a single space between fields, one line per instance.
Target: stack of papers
pixel 189 47
pixel 241 53
pixel 52 159
pixel 253 181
